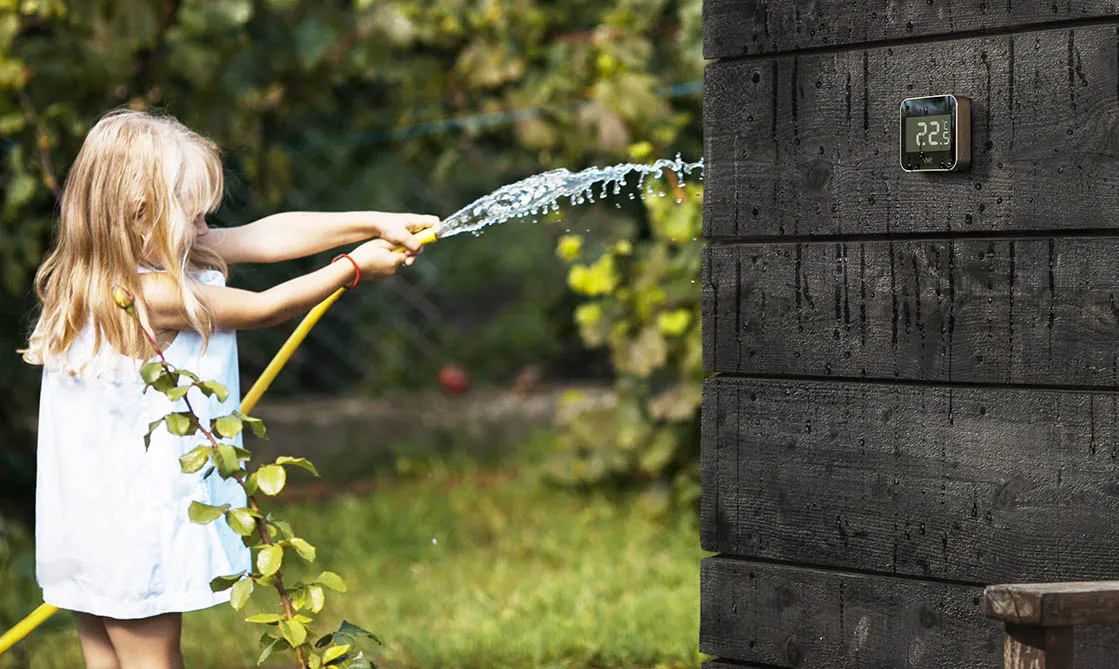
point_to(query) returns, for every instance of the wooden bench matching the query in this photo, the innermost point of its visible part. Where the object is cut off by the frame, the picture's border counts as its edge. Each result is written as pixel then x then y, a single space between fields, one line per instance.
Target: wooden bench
pixel 1039 618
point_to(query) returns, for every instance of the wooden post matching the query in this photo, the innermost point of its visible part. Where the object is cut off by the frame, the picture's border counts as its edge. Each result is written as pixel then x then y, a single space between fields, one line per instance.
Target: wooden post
pixel 1039 618
pixel 1030 647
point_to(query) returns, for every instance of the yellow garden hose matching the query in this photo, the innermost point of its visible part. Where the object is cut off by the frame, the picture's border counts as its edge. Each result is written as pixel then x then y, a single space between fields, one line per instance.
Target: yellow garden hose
pixel 248 402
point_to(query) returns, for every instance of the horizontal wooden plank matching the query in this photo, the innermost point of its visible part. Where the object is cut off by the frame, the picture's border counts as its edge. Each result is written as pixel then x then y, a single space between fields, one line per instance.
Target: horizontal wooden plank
pixel 808 145
pixel 971 485
pixel 748 27
pixel 794 617
pixel 789 616
pixel 1026 311
pixel 1054 604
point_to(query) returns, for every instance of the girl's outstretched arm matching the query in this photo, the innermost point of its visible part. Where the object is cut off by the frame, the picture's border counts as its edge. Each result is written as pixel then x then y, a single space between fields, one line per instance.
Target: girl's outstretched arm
pixel 236 309
pixel 296 234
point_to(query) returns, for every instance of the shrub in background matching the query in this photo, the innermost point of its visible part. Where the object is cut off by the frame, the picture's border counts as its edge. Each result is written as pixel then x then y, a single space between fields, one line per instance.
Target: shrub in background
pixel 642 302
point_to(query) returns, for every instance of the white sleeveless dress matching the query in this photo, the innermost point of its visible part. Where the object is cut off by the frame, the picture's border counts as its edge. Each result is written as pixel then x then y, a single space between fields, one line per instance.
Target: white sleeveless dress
pixel 112 536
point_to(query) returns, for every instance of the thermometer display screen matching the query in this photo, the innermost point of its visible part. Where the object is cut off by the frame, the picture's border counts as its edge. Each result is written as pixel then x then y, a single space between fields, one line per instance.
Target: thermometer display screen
pixel 928 133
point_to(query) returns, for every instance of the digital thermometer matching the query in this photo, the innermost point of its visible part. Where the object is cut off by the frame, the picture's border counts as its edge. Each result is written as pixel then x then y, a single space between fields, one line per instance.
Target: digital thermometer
pixel 935 133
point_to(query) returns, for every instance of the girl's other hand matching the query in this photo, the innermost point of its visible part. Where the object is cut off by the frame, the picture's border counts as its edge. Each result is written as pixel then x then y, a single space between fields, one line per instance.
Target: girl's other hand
pixel 400 229
pixel 378 260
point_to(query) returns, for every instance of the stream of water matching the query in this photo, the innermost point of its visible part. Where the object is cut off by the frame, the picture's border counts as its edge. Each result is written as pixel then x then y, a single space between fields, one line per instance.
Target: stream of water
pixel 539 194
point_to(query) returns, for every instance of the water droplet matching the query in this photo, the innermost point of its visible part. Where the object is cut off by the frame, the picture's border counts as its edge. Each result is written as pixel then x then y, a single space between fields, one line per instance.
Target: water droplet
pixel 434 541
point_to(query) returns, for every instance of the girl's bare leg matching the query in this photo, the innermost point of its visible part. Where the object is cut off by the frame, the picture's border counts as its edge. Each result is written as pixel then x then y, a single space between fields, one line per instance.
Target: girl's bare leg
pixel 147 643
pixel 96 646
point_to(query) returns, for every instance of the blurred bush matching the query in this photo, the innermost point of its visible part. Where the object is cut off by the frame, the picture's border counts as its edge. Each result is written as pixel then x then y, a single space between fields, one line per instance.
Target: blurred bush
pixel 329 105
pixel 642 303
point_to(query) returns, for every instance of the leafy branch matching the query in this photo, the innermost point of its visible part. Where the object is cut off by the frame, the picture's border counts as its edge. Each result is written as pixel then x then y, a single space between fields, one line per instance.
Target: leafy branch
pixel 261 532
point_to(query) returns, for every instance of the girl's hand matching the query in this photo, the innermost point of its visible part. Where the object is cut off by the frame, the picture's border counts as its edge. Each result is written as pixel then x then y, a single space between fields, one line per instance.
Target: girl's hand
pixel 400 229
pixel 378 260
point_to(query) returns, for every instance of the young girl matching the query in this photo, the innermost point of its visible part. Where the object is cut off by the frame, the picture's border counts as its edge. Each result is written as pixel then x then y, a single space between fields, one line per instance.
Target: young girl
pixel 113 541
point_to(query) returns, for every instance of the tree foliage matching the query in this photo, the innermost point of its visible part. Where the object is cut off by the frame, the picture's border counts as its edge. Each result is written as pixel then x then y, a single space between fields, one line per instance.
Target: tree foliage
pixel 642 303
pixel 337 77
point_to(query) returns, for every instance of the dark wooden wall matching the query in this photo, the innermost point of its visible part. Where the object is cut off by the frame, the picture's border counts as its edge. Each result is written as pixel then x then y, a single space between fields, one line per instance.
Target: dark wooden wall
pixel 918 374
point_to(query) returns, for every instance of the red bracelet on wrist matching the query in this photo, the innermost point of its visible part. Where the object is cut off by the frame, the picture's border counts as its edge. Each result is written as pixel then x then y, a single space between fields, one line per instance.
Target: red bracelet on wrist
pixel 357 270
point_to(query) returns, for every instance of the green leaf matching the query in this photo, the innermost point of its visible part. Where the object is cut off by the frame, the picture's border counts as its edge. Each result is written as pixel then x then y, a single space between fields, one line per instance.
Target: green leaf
pixel 243 454
pixel 269 559
pixel 241 521
pixel 219 583
pixel 297 462
pixel 204 513
pixel 240 595
pixel 305 550
pixel 324 640
pixel 359 661
pixel 166 382
pixel 264 618
pixel 151 371
pixel 206 474
pixel 177 393
pixel 314 661
pixel 332 654
pixel 228 426
pixel 270 479
pixel 189 374
pixel 267 651
pixel 294 632
pixel 194 460
pixel 255 424
pixel 317 597
pixel 226 460
pixel 250 484
pixel 353 630
pixel 181 423
pixel 332 581
pixel 214 388
pixel 284 527
pixel 298 598
pixel 151 428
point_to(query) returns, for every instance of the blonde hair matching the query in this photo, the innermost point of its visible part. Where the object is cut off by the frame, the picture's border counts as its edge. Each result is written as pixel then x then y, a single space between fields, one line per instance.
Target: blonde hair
pixel 131 198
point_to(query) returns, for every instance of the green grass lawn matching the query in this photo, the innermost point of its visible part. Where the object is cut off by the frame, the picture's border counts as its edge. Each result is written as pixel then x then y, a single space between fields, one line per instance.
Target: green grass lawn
pixel 477 568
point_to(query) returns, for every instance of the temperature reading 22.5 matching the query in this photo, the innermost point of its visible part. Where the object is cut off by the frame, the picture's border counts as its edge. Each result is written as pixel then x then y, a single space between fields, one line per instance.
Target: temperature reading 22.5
pixel 928 133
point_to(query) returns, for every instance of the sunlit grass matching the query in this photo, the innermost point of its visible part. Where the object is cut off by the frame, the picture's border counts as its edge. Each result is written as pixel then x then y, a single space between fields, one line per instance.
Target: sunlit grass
pixel 480 568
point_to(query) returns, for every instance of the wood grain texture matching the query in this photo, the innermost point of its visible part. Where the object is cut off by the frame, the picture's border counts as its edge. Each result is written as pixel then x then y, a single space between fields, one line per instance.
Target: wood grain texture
pixel 970 485
pixel 1028 311
pixel 808 145
pixel 795 617
pixel 787 616
pixel 748 27
pixel 1038 647
pixel 1054 604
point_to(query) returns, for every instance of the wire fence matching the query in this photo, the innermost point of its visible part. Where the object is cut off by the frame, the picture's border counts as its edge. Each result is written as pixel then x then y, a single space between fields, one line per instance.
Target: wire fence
pixel 394 321
pixel 405 328
pixel 400 331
